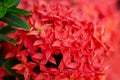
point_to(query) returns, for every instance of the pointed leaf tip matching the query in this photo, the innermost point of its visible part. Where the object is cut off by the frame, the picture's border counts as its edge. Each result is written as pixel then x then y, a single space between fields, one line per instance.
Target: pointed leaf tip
pixel 13 20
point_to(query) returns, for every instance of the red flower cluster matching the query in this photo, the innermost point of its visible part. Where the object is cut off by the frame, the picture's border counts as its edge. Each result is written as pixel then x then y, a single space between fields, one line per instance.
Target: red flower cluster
pixel 68 40
pixel 61 45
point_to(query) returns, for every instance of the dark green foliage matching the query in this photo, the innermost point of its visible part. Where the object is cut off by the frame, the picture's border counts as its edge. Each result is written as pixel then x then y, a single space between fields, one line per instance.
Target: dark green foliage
pixel 8 14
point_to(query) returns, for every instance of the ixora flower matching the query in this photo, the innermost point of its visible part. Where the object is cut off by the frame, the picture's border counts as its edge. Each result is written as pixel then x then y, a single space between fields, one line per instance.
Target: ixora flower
pixel 60 46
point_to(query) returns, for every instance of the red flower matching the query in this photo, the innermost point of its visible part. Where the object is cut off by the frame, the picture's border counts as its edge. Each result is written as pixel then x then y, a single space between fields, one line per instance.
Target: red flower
pixel 25 68
pixel 63 44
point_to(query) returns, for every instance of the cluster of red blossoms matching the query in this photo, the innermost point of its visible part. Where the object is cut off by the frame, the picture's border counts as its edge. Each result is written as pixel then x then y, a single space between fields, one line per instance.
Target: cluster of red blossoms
pixel 66 42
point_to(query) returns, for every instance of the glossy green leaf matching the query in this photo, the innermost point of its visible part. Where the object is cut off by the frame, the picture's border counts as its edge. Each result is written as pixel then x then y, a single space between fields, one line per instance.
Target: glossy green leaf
pixel 15 21
pixel 18 11
pixel 9 64
pixel 3 11
pixel 16 3
pixel 5 38
pixel 9 3
pixel 7 29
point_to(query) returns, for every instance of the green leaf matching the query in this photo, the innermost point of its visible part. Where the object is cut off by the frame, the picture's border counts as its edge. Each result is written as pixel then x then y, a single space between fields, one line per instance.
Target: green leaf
pixel 9 3
pixel 7 29
pixel 1 5
pixel 3 11
pixel 15 21
pixel 16 3
pixel 18 11
pixel 9 64
pixel 5 38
